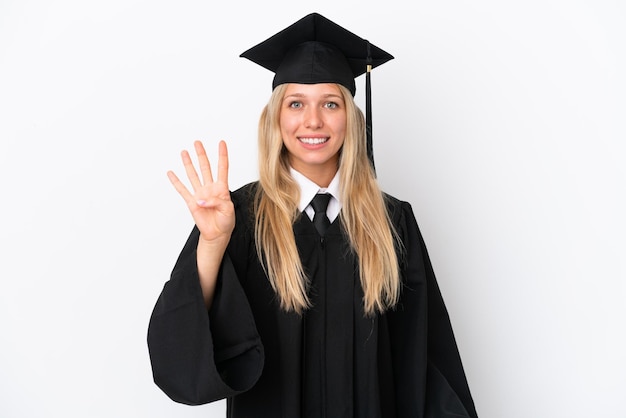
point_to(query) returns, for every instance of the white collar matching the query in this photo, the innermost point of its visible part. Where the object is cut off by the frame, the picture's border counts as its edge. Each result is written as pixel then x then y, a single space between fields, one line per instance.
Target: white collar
pixel 308 190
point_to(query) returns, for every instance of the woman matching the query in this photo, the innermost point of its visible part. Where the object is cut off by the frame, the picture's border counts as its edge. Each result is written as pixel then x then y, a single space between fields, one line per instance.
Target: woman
pixel 291 310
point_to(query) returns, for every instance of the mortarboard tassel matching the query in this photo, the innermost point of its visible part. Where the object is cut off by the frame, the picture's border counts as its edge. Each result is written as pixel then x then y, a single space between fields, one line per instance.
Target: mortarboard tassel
pixel 368 108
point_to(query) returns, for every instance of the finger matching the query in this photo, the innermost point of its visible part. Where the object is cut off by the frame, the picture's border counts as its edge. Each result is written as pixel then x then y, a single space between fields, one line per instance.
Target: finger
pixel 179 186
pixel 192 175
pixel 211 203
pixel 203 160
pixel 222 163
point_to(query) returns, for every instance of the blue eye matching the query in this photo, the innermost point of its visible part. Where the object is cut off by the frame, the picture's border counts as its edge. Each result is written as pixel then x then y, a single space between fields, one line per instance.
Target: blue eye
pixel 331 105
pixel 295 105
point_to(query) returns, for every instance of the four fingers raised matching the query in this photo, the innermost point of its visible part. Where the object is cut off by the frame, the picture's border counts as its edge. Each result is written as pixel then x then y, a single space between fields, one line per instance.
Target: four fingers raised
pixel 205 169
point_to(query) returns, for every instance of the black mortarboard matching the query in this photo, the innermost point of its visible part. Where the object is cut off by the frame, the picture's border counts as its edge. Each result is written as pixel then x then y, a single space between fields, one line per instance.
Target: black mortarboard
pixel 317 50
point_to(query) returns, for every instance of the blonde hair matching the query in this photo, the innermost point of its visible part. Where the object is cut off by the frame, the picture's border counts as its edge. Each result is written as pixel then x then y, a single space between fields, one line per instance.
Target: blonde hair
pixel 363 215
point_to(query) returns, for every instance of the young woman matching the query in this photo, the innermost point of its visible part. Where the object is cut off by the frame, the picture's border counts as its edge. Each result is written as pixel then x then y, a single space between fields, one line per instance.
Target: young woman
pixel 289 307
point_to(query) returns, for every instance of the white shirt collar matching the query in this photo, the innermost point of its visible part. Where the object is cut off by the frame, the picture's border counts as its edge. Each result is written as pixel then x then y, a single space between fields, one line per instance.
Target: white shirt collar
pixel 308 190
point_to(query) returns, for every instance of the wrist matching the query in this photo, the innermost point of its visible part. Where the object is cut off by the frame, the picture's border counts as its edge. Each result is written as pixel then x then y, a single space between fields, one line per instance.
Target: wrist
pixel 215 244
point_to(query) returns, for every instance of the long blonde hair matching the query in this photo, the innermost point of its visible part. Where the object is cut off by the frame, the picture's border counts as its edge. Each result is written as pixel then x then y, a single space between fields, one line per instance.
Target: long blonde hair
pixel 363 215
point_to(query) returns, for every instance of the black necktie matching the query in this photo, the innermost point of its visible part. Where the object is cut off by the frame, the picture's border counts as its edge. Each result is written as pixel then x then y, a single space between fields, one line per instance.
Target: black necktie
pixel 319 205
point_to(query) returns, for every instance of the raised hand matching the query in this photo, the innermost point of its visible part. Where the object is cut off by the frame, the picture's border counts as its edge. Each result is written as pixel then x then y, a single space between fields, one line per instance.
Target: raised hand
pixel 209 204
pixel 212 210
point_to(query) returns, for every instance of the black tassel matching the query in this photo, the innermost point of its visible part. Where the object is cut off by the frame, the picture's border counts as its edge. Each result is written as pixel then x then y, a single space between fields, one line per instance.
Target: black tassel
pixel 368 108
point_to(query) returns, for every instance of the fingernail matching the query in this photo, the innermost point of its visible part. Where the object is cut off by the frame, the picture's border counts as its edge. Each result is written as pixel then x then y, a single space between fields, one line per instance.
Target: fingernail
pixel 201 202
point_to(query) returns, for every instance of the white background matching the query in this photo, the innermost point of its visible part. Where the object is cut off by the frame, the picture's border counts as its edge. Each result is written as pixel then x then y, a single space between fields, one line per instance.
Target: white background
pixel 503 123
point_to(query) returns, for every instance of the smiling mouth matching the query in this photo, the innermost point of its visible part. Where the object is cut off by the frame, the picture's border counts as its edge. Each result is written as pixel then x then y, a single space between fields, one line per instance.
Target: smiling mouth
pixel 313 141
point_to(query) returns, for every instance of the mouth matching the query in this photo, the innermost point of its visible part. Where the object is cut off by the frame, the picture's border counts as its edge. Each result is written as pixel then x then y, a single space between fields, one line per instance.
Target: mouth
pixel 314 140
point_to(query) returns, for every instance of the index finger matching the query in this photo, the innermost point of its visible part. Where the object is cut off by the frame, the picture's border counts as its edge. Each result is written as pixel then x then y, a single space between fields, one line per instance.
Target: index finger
pixel 222 163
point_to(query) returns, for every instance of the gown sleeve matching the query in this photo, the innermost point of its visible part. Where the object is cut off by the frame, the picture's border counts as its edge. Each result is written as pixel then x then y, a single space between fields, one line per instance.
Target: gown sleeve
pixel 198 356
pixel 423 328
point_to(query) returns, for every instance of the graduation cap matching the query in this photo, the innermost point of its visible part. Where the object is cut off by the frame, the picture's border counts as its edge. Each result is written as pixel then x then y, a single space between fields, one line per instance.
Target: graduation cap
pixel 316 50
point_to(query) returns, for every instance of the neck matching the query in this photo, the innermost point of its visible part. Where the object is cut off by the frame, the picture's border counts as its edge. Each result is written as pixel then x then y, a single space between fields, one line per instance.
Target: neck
pixel 320 177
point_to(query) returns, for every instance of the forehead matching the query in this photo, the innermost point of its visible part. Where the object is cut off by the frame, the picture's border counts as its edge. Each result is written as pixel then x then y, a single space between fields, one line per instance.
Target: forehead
pixel 313 90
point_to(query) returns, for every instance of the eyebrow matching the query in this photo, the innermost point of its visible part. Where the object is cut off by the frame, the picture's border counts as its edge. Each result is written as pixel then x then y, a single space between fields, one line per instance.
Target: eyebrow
pixel 324 96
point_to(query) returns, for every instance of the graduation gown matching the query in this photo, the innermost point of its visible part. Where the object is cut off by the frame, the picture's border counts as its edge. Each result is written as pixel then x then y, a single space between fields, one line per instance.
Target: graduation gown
pixel 331 361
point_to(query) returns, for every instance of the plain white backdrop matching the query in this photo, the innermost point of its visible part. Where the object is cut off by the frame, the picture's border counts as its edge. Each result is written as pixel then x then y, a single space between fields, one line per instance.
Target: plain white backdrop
pixel 503 123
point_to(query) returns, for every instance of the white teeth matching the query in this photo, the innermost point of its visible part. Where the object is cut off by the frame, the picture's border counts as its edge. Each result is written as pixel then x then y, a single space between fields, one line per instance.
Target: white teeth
pixel 313 141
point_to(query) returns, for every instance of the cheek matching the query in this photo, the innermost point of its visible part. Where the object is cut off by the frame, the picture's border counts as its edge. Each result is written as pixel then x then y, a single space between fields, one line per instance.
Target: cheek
pixel 343 128
pixel 339 121
pixel 287 123
pixel 340 127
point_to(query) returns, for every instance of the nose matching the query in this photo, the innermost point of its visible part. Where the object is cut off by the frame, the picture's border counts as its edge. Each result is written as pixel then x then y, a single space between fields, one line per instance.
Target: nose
pixel 313 118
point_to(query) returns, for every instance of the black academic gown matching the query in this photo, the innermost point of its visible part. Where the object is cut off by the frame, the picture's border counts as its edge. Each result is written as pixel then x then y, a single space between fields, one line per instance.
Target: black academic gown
pixel 332 361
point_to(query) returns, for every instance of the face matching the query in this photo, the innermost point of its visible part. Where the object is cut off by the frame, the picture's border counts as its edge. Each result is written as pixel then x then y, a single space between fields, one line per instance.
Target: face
pixel 313 128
